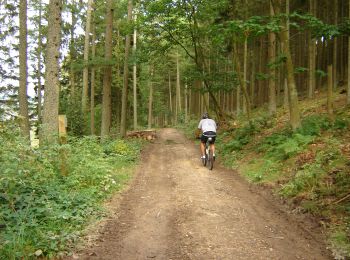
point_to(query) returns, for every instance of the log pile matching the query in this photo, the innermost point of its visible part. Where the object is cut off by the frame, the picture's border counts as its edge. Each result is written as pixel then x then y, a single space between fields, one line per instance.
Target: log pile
pixel 148 135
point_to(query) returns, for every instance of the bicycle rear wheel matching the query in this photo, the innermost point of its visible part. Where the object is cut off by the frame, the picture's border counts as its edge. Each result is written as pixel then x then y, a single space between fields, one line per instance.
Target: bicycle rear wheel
pixel 204 161
pixel 210 162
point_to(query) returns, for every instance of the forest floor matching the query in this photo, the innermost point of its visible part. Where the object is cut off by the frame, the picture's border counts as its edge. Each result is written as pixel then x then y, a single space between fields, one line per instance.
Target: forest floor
pixel 177 209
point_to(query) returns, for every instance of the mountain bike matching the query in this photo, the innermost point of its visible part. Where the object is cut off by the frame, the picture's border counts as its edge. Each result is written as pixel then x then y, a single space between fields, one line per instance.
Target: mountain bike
pixel 209 158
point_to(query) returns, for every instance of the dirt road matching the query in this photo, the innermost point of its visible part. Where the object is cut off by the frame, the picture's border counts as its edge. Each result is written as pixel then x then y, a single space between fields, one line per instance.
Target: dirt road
pixel 177 209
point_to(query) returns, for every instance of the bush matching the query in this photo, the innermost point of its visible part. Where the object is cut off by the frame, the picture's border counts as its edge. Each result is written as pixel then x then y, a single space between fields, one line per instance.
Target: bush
pixel 243 135
pixel 44 212
pixel 314 124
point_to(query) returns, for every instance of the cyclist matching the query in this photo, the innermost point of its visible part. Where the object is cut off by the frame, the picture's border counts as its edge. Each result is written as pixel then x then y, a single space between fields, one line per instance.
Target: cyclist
pixel 208 127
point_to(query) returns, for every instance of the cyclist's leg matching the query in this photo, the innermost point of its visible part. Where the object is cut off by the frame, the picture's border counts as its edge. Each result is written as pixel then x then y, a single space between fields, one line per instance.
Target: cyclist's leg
pixel 202 149
pixel 212 146
pixel 202 145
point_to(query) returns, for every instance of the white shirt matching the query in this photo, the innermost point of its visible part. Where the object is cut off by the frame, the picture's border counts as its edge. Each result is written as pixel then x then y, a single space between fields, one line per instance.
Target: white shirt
pixel 207 125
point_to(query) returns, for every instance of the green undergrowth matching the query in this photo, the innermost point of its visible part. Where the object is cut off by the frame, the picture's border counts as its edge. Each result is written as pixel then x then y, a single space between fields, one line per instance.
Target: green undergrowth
pixel 309 167
pixel 42 213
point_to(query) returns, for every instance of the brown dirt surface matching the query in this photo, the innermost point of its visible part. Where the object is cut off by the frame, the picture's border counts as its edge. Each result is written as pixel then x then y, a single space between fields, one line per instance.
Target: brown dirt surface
pixel 177 209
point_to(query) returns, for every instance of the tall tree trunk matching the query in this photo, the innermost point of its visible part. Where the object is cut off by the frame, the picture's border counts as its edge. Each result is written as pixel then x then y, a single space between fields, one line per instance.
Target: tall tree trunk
pixel 245 74
pixel 107 77
pixel 252 78
pixel 93 83
pixel 292 90
pixel 84 96
pixel 126 76
pixel 330 92
pixel 285 98
pixel 49 127
pixel 335 48
pixel 272 78
pixel 186 103
pixel 348 90
pixel 312 56
pixel 150 98
pixel 39 88
pixel 170 100
pixel 241 82
pixel 72 51
pixel 178 87
pixel 23 67
pixel 135 76
pixel 260 99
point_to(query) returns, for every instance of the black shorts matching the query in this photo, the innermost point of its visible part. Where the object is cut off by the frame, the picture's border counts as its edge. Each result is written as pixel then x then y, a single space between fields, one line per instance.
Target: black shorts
pixel 206 135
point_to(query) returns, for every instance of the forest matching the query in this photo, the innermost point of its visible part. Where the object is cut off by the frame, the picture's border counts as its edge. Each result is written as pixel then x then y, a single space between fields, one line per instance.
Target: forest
pixel 274 74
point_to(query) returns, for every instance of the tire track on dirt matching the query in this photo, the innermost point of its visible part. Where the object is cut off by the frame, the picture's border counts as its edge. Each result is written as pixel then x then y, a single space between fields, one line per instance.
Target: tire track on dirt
pixel 177 209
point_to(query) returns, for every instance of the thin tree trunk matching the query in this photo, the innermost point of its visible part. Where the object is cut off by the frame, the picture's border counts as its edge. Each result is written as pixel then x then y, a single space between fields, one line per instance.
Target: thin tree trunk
pixel 245 69
pixel 170 99
pixel 186 104
pixel 292 90
pixel 126 76
pixel 205 103
pixel 286 98
pixel 72 50
pixel 272 78
pixel 93 83
pixel 23 67
pixel 84 97
pixel 348 90
pixel 178 91
pixel 107 77
pixel 49 127
pixel 335 48
pixel 312 56
pixel 39 88
pixel 252 79
pixel 330 92
pixel 135 76
pixel 241 82
pixel 150 98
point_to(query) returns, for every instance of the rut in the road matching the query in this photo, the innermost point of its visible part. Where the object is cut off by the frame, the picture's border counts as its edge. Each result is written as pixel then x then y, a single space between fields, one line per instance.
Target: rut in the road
pixel 177 209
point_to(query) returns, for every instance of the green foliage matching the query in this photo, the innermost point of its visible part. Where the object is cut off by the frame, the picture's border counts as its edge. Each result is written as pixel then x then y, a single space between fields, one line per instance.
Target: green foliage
pixel 340 241
pixel 262 170
pixel 290 147
pixel 306 179
pixel 314 124
pixel 279 61
pixel 300 70
pixel 285 144
pixel 243 135
pixel 128 150
pixel 45 212
pixel 321 73
pixel 341 123
pixel 281 146
pixel 261 76
pixel 316 26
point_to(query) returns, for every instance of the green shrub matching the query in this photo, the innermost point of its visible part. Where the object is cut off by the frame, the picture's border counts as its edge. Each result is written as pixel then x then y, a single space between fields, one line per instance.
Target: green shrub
pixel 314 124
pixel 341 123
pixel 274 140
pixel 305 180
pixel 43 211
pixel 243 135
pixel 262 170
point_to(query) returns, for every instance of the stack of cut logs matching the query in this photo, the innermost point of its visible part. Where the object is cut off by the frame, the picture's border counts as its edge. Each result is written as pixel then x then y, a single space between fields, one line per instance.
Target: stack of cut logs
pixel 144 134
